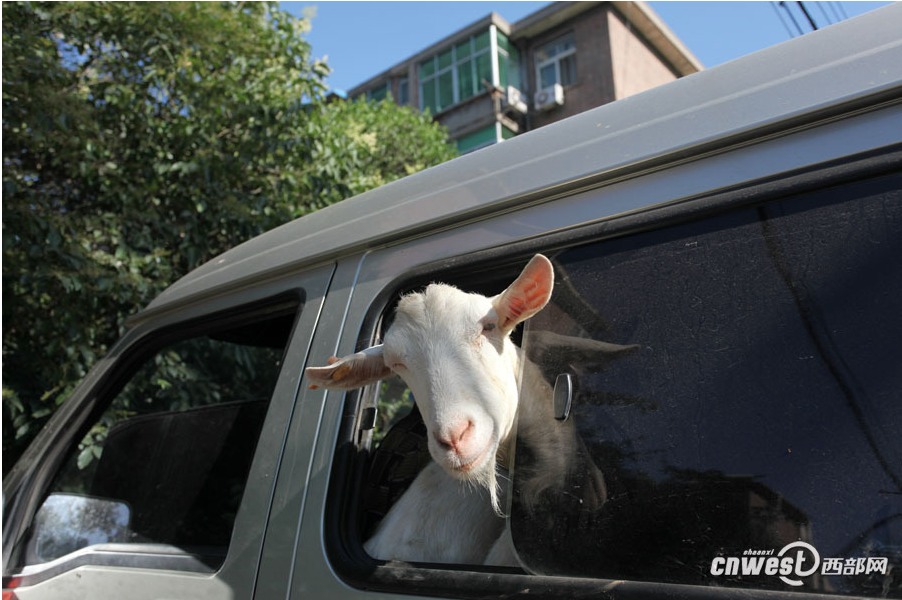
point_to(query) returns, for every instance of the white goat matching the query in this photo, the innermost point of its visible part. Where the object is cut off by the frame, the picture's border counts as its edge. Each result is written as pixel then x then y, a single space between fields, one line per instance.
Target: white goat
pixel 476 391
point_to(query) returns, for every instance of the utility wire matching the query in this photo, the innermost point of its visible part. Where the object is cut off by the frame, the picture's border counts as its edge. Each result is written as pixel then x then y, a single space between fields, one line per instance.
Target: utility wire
pixel 791 17
pixel 842 10
pixel 787 14
pixel 807 15
pixel 776 7
pixel 833 10
pixel 827 18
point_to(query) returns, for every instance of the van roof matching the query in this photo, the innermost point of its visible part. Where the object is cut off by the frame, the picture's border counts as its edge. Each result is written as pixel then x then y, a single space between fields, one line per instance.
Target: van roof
pixel 799 81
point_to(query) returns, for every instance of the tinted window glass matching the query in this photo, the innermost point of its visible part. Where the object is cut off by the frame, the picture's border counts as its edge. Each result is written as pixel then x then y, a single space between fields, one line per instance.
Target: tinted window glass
pixel 168 460
pixel 751 437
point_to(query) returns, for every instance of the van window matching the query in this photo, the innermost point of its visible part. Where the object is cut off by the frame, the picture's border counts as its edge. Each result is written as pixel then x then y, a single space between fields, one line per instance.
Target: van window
pixel 168 459
pixel 735 385
pixel 747 422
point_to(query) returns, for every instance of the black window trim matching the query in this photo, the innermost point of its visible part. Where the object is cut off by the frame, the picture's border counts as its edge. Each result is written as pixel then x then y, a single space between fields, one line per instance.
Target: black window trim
pixel 344 548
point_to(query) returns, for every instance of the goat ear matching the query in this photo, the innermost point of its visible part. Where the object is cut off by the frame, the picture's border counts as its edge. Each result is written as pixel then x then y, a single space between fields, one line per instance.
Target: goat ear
pixel 527 295
pixel 353 371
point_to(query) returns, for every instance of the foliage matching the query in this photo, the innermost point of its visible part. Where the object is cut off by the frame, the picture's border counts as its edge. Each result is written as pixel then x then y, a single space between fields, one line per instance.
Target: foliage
pixel 142 139
pixel 189 374
pixel 360 142
pixel 395 401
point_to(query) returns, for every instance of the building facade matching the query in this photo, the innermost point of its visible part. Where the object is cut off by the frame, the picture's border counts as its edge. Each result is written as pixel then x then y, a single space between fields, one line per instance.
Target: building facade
pixel 493 80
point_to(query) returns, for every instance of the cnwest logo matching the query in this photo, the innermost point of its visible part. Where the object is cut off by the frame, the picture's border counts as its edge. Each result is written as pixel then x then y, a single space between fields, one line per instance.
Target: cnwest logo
pixel 794 562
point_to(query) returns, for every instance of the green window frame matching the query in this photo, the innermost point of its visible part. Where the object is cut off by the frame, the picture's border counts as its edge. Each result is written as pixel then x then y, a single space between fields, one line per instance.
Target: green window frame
pixel 457 72
pixel 484 137
pixel 378 94
pixel 403 91
pixel 508 63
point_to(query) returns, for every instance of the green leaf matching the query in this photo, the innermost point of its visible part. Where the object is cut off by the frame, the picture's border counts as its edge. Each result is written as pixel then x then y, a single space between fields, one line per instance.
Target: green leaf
pixel 85 457
pixel 213 130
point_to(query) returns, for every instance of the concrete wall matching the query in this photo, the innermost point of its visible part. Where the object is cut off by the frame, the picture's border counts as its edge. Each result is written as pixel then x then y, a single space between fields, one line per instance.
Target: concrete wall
pixel 470 115
pixel 636 66
pixel 613 61
pixel 594 85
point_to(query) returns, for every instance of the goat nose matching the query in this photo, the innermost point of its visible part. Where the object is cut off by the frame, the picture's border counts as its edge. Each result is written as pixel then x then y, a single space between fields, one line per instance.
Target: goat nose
pixel 454 436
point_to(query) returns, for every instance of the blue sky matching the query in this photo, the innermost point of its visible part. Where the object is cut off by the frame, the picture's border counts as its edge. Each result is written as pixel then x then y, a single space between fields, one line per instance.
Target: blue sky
pixel 362 39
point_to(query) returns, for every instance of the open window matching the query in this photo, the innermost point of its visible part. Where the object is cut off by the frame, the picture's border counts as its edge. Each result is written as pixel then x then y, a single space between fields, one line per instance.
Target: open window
pixel 164 465
pixel 734 378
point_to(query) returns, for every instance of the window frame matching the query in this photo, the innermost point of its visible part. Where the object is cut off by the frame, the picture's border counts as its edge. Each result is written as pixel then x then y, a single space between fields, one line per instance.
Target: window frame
pixel 403 90
pixel 555 60
pixel 470 58
pixel 379 93
pixel 508 62
pixel 346 553
pixel 101 393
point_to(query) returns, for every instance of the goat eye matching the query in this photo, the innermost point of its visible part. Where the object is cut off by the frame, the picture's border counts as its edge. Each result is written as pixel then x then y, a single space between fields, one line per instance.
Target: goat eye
pixel 397 365
pixel 488 327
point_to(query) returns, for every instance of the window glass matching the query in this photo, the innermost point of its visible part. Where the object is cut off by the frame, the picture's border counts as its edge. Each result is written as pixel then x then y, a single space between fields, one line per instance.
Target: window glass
pixel 567 68
pixel 478 139
pixel 427 68
pixel 503 43
pixel 483 69
pixel 548 75
pixel 403 91
pixel 458 72
pixel 168 460
pixel 736 383
pixel 556 62
pixel 503 75
pixel 446 89
pixel 378 94
pixel 445 59
pixel 508 62
pixel 481 41
pixel 559 47
pixel 427 96
pixel 463 50
pixel 465 79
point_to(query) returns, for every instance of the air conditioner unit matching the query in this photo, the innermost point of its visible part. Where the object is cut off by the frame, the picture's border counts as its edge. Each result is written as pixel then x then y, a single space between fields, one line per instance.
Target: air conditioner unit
pixel 515 101
pixel 548 98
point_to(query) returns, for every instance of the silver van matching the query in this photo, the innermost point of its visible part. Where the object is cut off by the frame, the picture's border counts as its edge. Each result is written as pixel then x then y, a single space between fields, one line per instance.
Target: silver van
pixel 740 229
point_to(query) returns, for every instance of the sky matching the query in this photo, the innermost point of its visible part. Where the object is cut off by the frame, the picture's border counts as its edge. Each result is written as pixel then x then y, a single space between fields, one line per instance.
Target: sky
pixel 362 39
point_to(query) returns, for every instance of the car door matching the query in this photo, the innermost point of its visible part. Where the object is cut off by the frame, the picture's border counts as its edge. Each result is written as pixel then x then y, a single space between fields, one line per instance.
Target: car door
pixel 157 478
pixel 746 431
